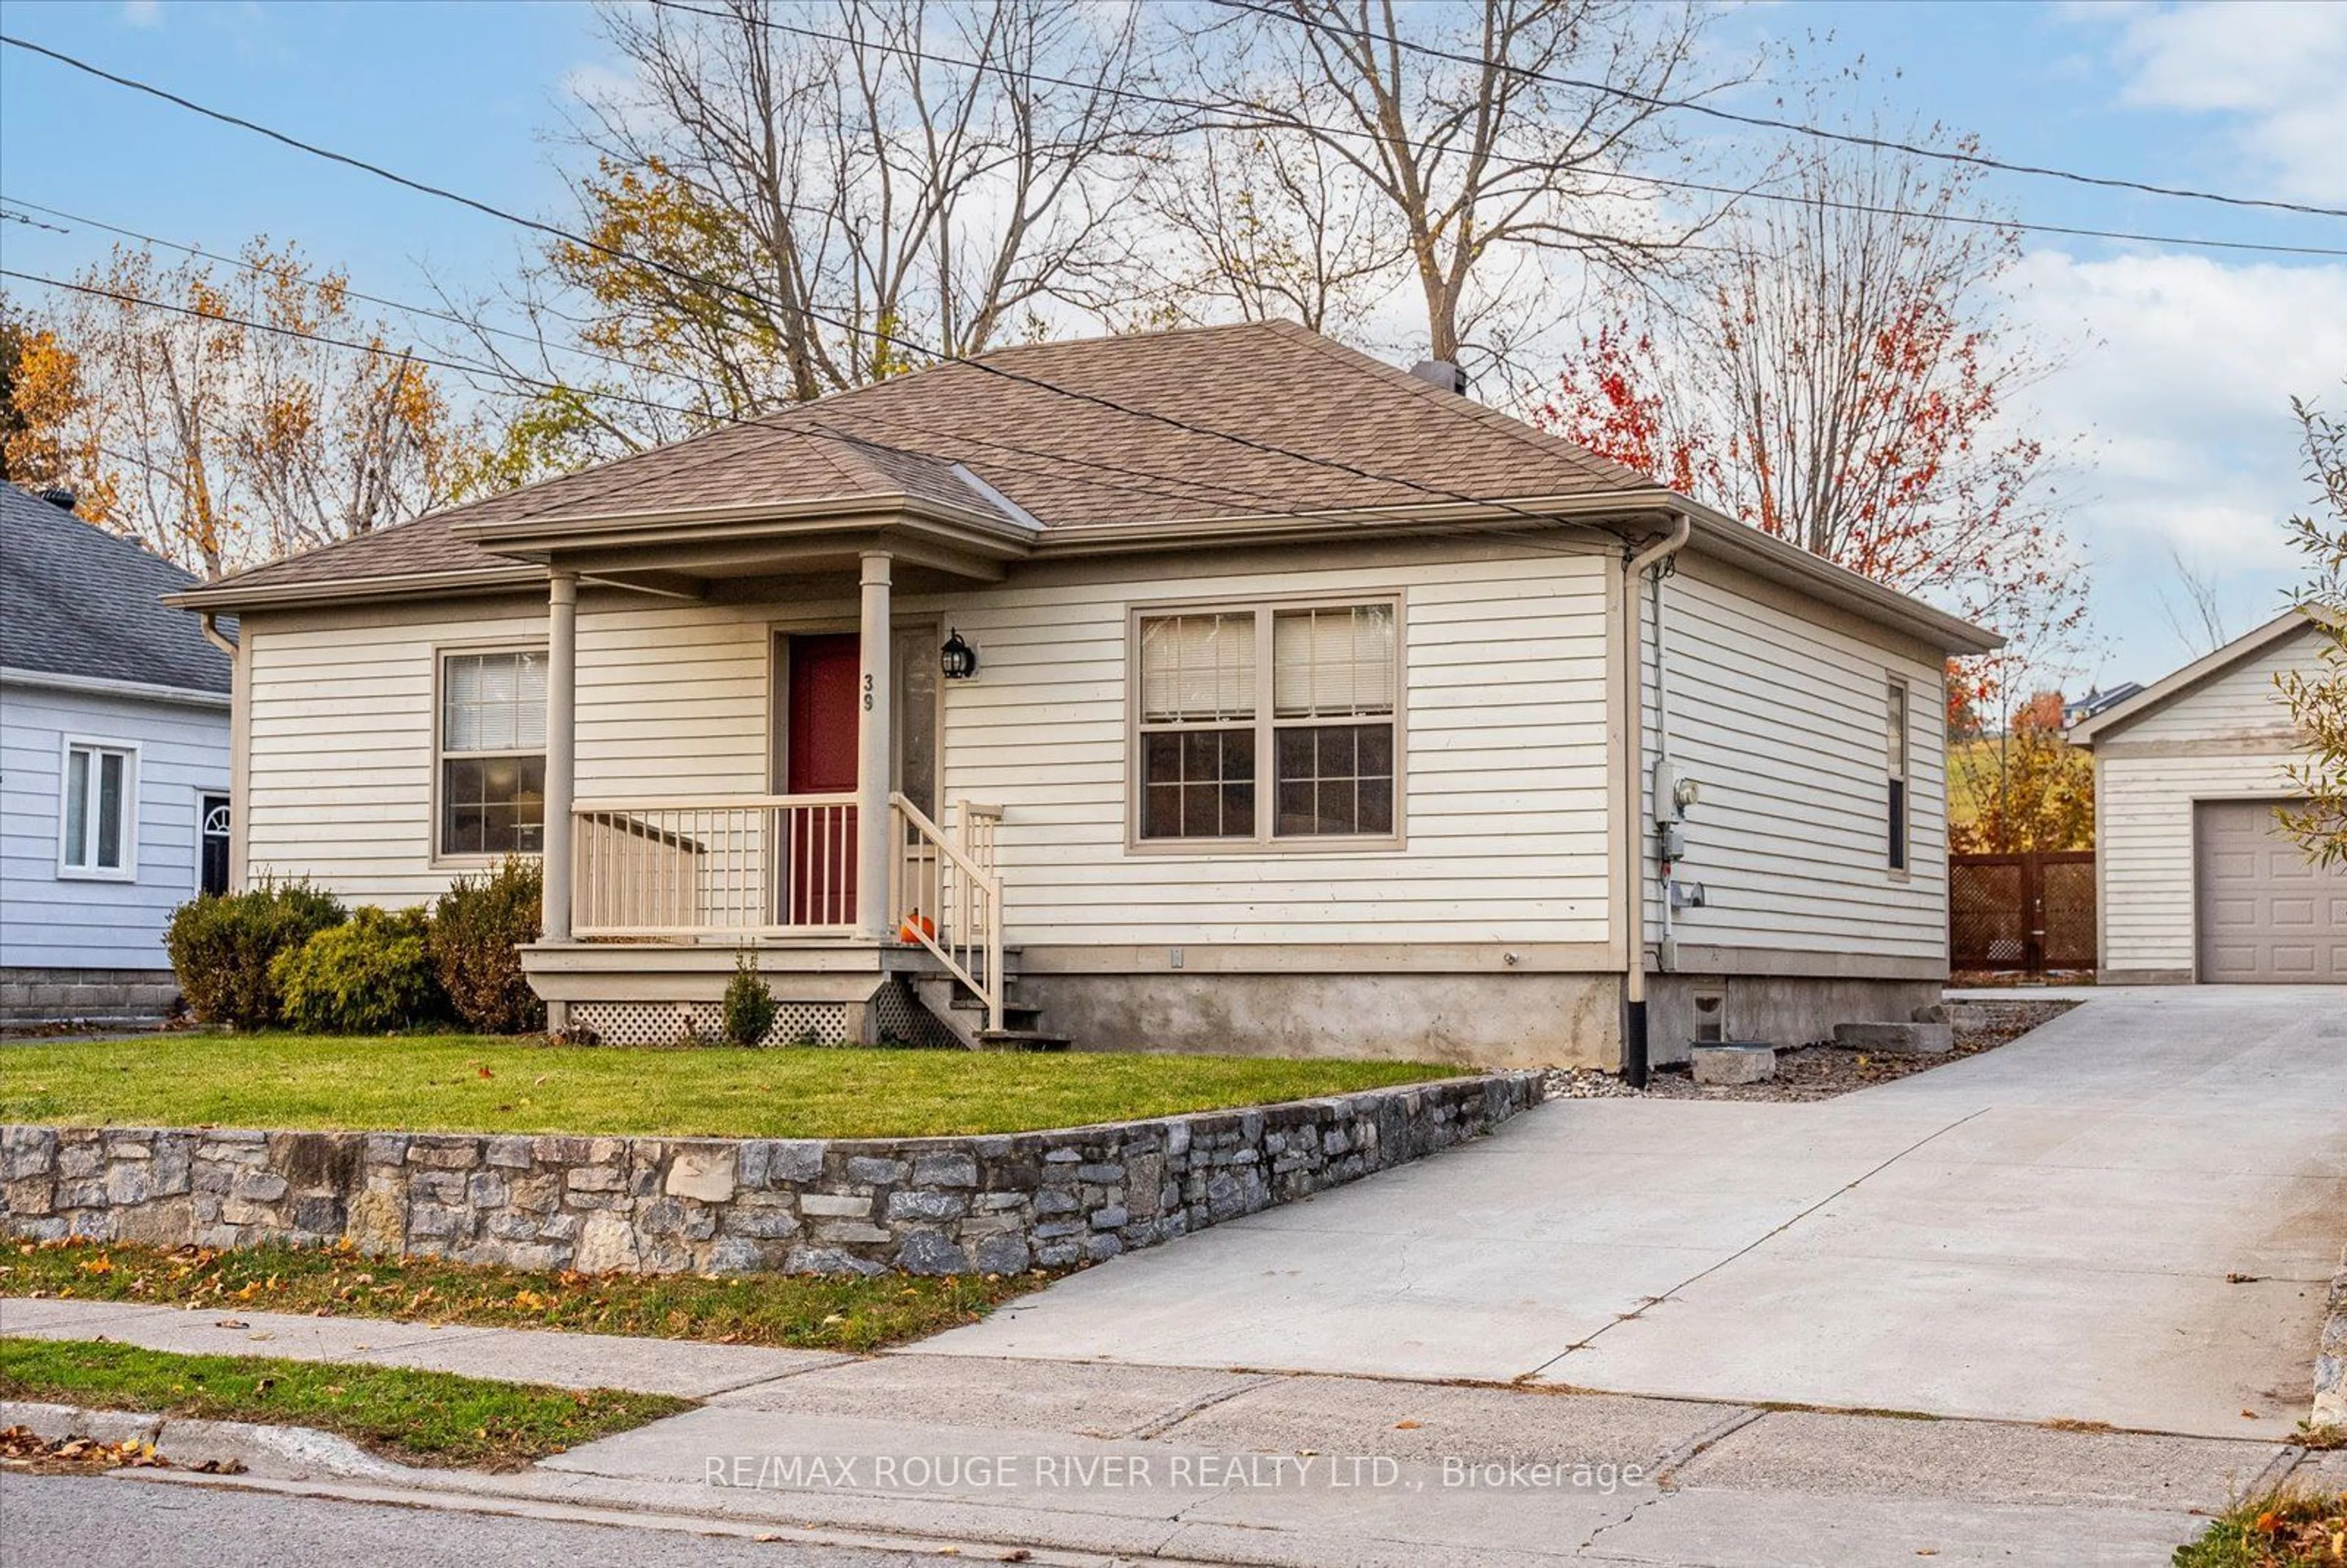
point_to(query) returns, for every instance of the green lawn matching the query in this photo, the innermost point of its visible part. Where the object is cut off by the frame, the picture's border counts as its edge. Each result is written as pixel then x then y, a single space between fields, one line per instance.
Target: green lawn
pixel 429 1417
pixel 457 1084
pixel 807 1312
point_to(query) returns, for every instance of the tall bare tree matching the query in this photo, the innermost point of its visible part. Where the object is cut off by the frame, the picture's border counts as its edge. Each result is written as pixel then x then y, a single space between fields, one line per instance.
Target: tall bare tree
pixel 202 409
pixel 1492 138
pixel 859 181
pixel 1268 226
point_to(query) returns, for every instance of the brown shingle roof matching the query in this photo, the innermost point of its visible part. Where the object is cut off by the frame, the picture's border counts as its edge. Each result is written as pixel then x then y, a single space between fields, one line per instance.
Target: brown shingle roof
pixel 1082 432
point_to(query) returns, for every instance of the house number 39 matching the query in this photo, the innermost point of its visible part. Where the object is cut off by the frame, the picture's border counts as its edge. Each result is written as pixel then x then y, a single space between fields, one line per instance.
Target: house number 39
pixel 867 693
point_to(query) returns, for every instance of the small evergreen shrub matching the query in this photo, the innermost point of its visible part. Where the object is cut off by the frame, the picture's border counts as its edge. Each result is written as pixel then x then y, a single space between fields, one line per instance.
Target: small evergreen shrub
pixel 368 975
pixel 750 1010
pixel 222 947
pixel 477 929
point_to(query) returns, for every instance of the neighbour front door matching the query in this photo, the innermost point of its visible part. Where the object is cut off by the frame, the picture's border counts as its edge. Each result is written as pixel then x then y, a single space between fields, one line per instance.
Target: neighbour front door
pixel 819 758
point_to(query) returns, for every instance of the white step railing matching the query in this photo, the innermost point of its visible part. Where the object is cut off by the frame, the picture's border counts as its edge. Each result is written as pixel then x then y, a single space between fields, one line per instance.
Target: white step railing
pixel 739 865
pixel 945 893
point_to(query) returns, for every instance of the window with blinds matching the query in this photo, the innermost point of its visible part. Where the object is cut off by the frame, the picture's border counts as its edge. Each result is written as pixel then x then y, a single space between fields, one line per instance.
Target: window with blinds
pixel 1894 751
pixel 492 752
pixel 1295 706
pixel 1198 679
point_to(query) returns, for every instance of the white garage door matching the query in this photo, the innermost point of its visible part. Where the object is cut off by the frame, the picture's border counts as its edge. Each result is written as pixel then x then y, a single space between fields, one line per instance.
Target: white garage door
pixel 2266 914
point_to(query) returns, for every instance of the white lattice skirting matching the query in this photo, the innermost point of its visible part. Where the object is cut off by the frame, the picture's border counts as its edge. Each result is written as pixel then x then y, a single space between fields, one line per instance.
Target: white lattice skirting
pixel 703 1023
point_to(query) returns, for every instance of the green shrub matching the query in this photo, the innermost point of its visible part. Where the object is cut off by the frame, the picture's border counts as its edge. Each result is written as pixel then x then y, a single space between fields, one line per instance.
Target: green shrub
pixel 750 1008
pixel 476 929
pixel 222 945
pixel 363 976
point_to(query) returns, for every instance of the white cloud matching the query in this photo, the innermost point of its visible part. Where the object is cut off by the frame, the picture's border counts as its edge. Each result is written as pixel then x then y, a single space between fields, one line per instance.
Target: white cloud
pixel 2185 391
pixel 2275 64
pixel 142 13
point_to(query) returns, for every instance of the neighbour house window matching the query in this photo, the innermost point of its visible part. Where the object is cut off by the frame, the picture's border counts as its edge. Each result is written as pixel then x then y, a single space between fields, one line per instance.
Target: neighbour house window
pixel 1268 724
pixel 98 811
pixel 1895 766
pixel 492 752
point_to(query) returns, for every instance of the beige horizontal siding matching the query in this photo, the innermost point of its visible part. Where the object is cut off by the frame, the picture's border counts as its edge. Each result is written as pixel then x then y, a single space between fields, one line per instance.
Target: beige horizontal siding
pixel 2242 701
pixel 1503 796
pixel 1776 713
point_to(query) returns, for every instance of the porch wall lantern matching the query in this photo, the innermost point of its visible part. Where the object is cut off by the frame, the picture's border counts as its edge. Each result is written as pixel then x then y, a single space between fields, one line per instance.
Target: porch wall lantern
pixel 958 660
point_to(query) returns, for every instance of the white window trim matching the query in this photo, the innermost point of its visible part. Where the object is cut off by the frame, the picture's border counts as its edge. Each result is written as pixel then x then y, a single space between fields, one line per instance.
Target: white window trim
pixel 203 815
pixel 128 870
pixel 1265 841
pixel 463 860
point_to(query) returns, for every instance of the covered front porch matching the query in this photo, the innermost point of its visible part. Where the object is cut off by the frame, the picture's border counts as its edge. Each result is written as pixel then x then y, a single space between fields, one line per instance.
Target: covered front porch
pixel 856 892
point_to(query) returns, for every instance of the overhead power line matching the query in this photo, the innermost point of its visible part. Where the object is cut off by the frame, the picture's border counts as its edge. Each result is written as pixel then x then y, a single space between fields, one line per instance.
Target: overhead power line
pixel 1273 506
pixel 811 430
pixel 1756 194
pixel 884 338
pixel 1769 122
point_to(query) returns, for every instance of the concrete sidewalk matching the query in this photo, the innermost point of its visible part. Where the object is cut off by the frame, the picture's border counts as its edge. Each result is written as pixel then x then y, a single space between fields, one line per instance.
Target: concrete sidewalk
pixel 1209 1465
pixel 681 1366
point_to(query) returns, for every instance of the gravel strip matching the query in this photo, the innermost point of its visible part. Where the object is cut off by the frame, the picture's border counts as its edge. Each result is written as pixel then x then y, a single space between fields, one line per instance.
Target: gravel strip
pixel 1821 1072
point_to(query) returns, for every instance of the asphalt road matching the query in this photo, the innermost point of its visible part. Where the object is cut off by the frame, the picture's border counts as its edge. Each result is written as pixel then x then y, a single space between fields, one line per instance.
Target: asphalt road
pixel 74 1522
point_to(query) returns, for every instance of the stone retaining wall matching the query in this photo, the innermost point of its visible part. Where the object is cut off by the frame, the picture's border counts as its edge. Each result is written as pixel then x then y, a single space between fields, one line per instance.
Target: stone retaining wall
pixel 925 1206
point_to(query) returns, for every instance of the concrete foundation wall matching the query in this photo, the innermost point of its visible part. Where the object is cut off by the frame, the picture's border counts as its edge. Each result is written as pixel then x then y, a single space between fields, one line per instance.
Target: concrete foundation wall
pixel 1781 1010
pixel 657 1205
pixel 1486 1021
pixel 29 995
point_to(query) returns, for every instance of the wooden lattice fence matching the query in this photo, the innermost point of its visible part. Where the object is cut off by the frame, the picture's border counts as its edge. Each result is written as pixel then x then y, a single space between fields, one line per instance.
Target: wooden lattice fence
pixel 2022 912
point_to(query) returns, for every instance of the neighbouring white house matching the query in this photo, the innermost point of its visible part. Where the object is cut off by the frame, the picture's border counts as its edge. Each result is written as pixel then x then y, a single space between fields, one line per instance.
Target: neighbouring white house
pixel 1221 688
pixel 2199 880
pixel 114 765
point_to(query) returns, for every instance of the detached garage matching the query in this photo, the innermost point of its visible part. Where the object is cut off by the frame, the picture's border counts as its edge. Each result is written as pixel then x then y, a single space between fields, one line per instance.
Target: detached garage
pixel 2197 880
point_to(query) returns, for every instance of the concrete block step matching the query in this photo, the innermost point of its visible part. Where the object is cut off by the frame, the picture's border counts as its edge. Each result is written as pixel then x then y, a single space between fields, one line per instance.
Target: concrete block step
pixel 1901 1039
pixel 1017 1015
pixel 1022 1039
pixel 1732 1062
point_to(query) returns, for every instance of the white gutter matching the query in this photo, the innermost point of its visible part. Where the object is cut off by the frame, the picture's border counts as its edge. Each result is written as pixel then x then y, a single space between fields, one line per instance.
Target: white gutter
pixel 1636 826
pixel 100 686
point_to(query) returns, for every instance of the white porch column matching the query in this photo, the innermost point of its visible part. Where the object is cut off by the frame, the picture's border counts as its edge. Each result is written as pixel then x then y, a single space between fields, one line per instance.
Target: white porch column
pixel 872 734
pixel 561 685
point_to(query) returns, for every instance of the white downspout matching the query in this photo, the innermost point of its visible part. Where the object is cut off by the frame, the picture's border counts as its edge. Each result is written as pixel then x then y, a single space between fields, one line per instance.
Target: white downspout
pixel 1633 876
pixel 1662 776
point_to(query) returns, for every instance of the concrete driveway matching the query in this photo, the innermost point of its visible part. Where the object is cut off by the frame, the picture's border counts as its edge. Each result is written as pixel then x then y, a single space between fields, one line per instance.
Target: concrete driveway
pixel 2129 1216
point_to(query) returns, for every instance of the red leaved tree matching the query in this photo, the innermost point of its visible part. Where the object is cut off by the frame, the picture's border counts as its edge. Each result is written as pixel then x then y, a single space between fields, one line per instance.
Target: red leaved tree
pixel 1842 382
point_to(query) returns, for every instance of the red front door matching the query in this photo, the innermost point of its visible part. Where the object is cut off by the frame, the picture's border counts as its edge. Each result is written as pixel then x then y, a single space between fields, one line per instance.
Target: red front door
pixel 819 758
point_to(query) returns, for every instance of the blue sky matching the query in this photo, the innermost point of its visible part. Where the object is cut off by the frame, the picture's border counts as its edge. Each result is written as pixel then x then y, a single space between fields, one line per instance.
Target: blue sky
pixel 2179 363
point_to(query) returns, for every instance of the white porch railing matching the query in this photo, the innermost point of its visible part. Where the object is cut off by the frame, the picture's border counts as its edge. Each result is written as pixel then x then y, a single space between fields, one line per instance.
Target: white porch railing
pixel 947 897
pixel 739 865
pixel 743 866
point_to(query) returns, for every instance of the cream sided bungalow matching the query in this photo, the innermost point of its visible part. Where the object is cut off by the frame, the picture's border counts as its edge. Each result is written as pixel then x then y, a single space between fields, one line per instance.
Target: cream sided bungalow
pixel 1219 689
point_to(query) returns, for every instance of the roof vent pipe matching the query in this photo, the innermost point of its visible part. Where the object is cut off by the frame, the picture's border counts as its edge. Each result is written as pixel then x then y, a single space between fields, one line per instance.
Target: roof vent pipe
pixel 62 498
pixel 1441 372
